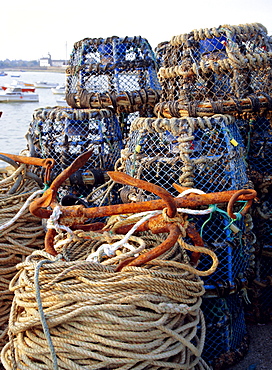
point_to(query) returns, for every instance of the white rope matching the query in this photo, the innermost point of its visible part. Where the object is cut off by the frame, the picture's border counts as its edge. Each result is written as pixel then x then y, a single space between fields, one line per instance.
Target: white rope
pixel 21 211
pixel 109 249
pixel 53 224
pixel 191 211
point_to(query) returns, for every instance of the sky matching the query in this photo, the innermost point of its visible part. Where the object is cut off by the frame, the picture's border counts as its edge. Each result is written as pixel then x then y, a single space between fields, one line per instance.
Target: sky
pixel 30 29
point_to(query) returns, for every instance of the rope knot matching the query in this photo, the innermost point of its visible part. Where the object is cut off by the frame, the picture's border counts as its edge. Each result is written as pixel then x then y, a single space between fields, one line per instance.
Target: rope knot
pixel 179 220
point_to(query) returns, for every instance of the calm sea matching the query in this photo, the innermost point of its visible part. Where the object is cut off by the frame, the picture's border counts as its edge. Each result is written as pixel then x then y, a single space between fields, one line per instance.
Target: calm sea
pixel 16 117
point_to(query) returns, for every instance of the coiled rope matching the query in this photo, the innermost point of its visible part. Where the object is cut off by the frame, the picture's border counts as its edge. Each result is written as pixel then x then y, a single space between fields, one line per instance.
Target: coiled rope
pixel 104 248
pixel 141 317
pixel 20 232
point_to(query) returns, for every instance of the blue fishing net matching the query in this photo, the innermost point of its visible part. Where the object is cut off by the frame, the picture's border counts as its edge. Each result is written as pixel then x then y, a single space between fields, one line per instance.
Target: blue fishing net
pixel 226 333
pixel 231 242
pixel 65 133
pixel 207 154
pixel 214 65
pixel 116 67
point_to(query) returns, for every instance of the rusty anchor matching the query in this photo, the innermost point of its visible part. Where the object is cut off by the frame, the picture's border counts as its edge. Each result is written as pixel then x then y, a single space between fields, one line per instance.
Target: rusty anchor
pixel 47 163
pixel 76 216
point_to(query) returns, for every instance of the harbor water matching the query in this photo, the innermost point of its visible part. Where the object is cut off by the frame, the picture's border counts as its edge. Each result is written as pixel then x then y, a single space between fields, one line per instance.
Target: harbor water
pixel 17 116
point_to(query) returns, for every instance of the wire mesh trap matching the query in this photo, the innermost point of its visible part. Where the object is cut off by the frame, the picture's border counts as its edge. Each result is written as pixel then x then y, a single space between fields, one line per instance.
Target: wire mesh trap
pixel 263 220
pixel 217 70
pixel 65 133
pixel 259 309
pixel 232 244
pixel 205 153
pixel 257 133
pixel 264 282
pixel 226 333
pixel 260 289
pixel 116 72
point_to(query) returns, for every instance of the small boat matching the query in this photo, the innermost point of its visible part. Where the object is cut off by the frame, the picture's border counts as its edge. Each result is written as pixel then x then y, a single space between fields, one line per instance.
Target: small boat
pixel 62 102
pixel 25 86
pixel 45 84
pixel 2 73
pixel 59 90
pixel 16 94
pixel 16 76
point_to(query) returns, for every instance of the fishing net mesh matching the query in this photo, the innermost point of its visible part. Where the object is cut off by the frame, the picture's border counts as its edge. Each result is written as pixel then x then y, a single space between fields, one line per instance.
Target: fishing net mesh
pixel 207 154
pixel 259 307
pixel 219 70
pixel 116 72
pixel 257 135
pixel 264 278
pixel 232 244
pixel 226 334
pixel 204 153
pixel 263 220
pixel 65 133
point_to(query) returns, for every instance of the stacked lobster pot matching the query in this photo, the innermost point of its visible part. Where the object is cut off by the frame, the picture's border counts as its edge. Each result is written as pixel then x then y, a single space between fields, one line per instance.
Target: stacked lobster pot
pixel 258 134
pixel 108 81
pixel 116 73
pixel 224 70
pixel 206 153
pixel 63 134
pixel 260 294
pixel 211 80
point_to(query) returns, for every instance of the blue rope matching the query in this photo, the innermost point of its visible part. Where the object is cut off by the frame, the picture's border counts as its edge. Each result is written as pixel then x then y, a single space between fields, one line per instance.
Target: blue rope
pixel 41 312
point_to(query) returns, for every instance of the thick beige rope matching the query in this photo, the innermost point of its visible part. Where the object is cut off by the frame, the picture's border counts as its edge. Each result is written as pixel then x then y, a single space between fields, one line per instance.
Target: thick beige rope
pixel 251 61
pixel 243 30
pixel 17 240
pixel 142 317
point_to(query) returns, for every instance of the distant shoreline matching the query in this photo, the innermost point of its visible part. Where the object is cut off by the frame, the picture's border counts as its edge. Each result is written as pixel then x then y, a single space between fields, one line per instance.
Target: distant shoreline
pixel 36 69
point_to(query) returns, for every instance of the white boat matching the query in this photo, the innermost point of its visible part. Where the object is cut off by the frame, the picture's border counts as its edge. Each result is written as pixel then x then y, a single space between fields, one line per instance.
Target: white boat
pixel 59 90
pixel 45 84
pixel 62 102
pixel 25 86
pixel 15 94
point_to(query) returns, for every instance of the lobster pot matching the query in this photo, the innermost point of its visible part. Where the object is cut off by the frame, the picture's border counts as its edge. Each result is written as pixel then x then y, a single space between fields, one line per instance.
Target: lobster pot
pixel 98 318
pixel 116 72
pixel 224 66
pixel 205 153
pixel 264 285
pixel 65 133
pixel 232 244
pixel 125 121
pixel 263 220
pixel 226 336
pixel 259 307
pixel 259 138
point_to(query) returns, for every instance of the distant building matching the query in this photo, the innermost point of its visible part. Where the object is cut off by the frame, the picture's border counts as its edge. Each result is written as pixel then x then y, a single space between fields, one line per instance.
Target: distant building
pixel 48 62
pixel 45 62
pixel 58 63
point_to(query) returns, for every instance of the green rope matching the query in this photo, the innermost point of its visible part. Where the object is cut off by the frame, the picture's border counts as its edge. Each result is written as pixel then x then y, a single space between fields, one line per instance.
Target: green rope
pixel 41 312
pixel 225 214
